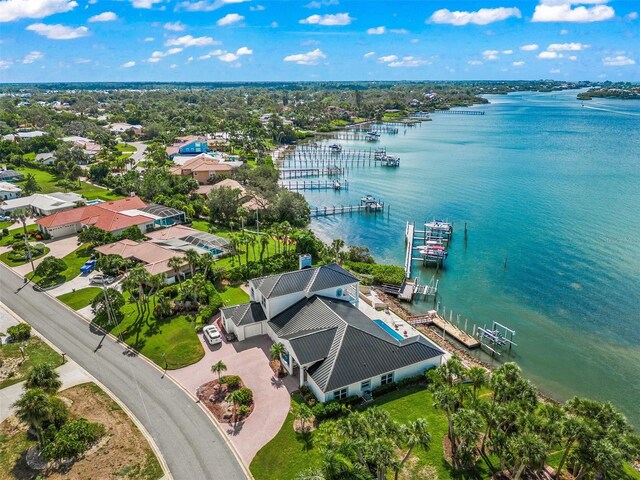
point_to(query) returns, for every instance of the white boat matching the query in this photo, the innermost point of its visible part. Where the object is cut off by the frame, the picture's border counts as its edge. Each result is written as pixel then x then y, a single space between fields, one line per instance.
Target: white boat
pixel 335 148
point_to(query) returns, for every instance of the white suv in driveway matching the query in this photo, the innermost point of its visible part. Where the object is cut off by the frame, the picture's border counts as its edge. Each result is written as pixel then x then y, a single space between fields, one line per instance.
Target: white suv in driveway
pixel 211 335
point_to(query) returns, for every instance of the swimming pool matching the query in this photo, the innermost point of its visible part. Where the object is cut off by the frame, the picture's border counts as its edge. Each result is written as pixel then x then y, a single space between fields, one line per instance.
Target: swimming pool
pixel 95 202
pixel 389 330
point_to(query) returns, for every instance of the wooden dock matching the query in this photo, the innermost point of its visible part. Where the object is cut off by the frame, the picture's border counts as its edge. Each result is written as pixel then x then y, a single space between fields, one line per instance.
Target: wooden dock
pixel 324 158
pixel 341 210
pixel 288 173
pixel 314 185
pixel 446 327
pixel 345 135
pixel 461 112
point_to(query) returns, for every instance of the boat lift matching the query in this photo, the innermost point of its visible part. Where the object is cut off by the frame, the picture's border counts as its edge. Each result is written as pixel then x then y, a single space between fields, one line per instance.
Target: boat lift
pixel 497 337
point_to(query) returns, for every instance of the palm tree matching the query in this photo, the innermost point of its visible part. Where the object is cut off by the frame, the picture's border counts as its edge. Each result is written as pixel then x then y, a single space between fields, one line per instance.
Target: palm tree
pixel 34 408
pixel 303 414
pixel 156 282
pixel 218 368
pixel 175 264
pixel 193 258
pixel 277 351
pixel 468 425
pixel 412 435
pixel 264 246
pixel 336 246
pixel 45 377
pixel 528 451
pixel 286 230
pixel 235 397
pixel 478 377
pixel 572 428
pixel 21 215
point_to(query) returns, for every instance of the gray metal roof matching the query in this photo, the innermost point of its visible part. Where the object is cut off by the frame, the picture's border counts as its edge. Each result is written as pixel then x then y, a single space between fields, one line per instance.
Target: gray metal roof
pixel 308 279
pixel 245 313
pixel 348 345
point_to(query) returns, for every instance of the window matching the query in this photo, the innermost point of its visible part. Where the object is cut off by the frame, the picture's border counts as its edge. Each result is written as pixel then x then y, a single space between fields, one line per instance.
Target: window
pixel 253 293
pixel 264 302
pixel 339 292
pixel 386 378
pixel 366 385
pixel 340 394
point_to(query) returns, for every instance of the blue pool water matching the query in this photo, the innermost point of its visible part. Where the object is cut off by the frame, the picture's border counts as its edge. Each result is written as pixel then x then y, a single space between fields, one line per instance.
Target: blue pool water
pixel 95 202
pixel 389 330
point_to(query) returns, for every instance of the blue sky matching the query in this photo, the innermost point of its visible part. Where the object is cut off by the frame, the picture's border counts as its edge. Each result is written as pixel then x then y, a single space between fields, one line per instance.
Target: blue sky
pixel 263 40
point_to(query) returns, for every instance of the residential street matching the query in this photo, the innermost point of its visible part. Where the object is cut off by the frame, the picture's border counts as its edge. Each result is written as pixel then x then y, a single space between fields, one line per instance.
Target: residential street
pixel 190 443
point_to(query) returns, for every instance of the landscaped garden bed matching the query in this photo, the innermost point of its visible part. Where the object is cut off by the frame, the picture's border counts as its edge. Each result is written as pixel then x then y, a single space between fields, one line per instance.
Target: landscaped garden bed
pixel 17 359
pixel 228 399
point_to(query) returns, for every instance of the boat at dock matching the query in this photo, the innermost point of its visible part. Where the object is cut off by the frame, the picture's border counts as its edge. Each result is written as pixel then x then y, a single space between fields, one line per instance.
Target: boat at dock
pixel 335 148
pixel 372 136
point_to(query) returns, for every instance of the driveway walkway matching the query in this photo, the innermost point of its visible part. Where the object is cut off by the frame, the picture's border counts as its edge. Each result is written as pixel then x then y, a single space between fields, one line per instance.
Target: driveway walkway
pixel 250 360
pixel 59 248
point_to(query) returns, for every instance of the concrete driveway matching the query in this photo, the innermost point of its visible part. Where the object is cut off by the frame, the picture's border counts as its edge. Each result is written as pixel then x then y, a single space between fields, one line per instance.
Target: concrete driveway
pixel 250 360
pixel 58 248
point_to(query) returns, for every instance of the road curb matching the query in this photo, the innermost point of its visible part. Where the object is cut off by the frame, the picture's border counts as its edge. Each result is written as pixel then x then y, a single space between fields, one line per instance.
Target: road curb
pixel 165 468
pixel 213 420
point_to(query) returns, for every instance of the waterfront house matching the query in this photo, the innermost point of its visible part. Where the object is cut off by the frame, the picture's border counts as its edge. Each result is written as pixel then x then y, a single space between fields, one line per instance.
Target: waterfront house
pixel 43 203
pixel 9 191
pixel 8 175
pixel 204 168
pixel 183 238
pixel 331 345
pixel 249 200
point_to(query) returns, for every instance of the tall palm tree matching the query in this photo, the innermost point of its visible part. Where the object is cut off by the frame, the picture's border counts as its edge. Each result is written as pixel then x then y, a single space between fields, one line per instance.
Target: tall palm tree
pixel 277 351
pixel 175 264
pixel 303 414
pixel 468 426
pixel 412 435
pixel 21 215
pixel 156 282
pixel 286 230
pixel 478 378
pixel 528 451
pixel 234 398
pixel 34 408
pixel 336 246
pixel 572 429
pixel 218 368
pixel 446 399
pixel 264 246
pixel 193 258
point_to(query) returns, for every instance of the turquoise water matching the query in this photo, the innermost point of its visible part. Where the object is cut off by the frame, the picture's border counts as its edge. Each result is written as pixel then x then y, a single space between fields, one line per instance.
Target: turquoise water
pixel 547 183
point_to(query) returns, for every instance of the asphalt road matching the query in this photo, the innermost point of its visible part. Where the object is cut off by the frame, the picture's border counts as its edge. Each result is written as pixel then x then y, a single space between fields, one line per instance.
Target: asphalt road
pixel 192 447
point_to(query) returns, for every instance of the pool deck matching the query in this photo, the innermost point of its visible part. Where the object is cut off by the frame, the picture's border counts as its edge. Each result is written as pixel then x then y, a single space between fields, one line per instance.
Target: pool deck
pixel 388 317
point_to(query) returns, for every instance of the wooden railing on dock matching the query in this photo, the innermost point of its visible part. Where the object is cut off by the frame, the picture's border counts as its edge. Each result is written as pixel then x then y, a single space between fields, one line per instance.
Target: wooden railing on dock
pixel 288 173
pixel 314 185
pixel 327 211
pixel 447 328
pixel 461 112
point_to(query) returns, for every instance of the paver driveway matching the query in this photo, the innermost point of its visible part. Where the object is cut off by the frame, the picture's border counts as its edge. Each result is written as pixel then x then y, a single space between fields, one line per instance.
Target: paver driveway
pixel 250 360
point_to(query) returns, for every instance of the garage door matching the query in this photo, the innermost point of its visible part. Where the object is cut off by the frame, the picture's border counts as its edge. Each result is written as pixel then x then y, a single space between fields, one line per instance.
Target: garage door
pixel 253 330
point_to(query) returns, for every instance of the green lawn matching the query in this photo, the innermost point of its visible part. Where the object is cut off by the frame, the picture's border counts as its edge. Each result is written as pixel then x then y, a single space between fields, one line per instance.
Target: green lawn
pixel 125 148
pixel 48 184
pixel 80 298
pixel 5 225
pixel 7 240
pixel 74 261
pixel 175 337
pixel 36 351
pixel 232 295
pixel 9 258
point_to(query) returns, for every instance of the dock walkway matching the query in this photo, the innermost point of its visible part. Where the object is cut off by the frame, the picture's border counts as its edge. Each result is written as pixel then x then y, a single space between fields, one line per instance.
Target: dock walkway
pixel 448 328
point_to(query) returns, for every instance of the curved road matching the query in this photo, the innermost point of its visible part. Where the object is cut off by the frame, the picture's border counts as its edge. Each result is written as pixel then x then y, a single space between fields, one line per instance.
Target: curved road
pixel 192 447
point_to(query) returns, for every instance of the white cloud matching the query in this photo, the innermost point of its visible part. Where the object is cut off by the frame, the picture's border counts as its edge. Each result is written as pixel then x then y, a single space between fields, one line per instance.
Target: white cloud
pixel 190 41
pixel 563 11
pixel 81 61
pixel 173 65
pixel 408 61
pixel 128 64
pixel 310 43
pixel 507 52
pixel 388 58
pixel 11 10
pixel 519 63
pixel 618 61
pixel 144 3
pixel 32 57
pixel 484 16
pixel 376 31
pixel 5 64
pixel 549 55
pixel 369 54
pixel 244 51
pixel 257 8
pixel 229 19
pixel 310 58
pixel 58 32
pixel 205 5
pixel 274 25
pixel 573 58
pixel 631 16
pixel 490 54
pixel 399 31
pixel 414 40
pixel 339 19
pixel 322 3
pixel 228 57
pixel 474 62
pixel 567 47
pixel 149 39
pixel 554 70
pixel 175 26
pixel 214 53
pixel 532 47
pixel 157 55
pixel 564 31
pixel 104 17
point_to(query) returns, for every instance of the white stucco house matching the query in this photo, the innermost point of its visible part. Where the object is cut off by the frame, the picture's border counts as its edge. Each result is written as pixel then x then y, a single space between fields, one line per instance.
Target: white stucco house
pixel 332 347
pixel 9 191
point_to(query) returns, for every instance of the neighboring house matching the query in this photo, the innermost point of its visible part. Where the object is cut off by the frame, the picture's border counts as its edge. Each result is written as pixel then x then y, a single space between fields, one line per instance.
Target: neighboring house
pixel 9 191
pixel 48 158
pixel 183 238
pixel 24 135
pixel 113 216
pixel 188 145
pixel 204 168
pixel 44 204
pixel 332 347
pixel 155 258
pixel 249 201
pixel 89 146
pixel 10 176
pixel 124 127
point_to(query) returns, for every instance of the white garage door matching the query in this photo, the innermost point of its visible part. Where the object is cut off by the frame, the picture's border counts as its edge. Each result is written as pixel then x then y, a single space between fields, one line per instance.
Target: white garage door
pixel 253 330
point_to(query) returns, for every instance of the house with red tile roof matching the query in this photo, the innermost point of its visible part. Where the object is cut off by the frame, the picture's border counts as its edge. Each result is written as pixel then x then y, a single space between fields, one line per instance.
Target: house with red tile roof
pixel 204 168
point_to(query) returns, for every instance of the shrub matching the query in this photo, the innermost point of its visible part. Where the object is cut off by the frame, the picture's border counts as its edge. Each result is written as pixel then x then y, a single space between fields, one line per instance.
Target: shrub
pixel 245 396
pixel 5 232
pixel 232 381
pixel 171 291
pixel 392 274
pixel 45 377
pixel 383 389
pixel 73 439
pixel 351 401
pixel 20 332
pixel 308 396
pixel 415 380
pixel 243 410
pixel 332 409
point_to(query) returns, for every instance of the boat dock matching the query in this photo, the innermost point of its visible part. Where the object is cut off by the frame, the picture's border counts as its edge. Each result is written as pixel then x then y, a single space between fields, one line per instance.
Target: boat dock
pixel 346 135
pixel 287 173
pixel 325 157
pixel 440 323
pixel 428 244
pixel 375 127
pixel 314 185
pixel 409 290
pixel 341 210
pixel 461 112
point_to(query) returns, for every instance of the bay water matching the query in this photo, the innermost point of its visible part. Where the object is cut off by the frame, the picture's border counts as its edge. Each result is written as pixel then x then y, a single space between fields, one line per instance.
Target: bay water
pixel 552 185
